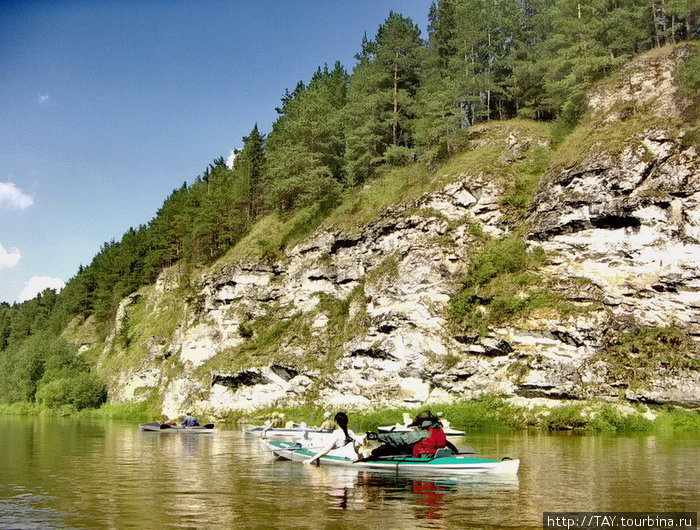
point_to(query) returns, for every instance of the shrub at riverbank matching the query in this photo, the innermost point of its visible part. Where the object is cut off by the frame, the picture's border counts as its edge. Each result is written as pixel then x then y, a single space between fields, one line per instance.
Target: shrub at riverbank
pixel 490 413
pixel 482 414
pixel 137 412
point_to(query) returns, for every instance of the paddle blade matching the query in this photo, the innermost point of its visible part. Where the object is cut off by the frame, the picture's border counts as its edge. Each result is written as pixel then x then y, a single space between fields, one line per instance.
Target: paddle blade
pixel 209 426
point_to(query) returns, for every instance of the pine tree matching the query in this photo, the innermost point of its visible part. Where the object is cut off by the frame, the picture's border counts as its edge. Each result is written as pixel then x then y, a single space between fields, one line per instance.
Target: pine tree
pixel 250 165
pixel 381 95
pixel 588 40
pixel 305 147
pixel 439 115
pixel 399 52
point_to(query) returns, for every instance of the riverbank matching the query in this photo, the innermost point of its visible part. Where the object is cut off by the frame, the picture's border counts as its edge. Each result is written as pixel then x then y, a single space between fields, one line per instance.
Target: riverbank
pixel 485 413
pixel 123 411
pixel 495 413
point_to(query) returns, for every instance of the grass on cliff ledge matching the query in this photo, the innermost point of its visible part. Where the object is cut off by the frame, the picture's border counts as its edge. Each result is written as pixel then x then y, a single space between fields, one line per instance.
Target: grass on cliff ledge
pixel 687 77
pixel 595 135
pixel 640 354
pixel 483 154
pixel 503 284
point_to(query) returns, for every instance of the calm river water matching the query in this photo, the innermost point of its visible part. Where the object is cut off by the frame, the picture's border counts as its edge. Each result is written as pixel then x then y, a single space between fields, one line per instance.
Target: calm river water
pixel 68 473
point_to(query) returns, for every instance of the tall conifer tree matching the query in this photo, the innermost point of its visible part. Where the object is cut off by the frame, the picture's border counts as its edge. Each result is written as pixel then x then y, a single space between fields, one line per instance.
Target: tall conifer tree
pixel 381 95
pixel 250 165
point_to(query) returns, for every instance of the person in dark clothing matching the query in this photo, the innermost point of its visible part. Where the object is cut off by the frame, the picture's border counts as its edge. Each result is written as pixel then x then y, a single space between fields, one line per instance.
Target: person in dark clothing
pixel 189 421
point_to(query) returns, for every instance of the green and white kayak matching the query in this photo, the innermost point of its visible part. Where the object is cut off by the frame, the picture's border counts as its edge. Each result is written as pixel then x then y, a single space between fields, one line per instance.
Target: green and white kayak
pixel 452 464
pixel 165 428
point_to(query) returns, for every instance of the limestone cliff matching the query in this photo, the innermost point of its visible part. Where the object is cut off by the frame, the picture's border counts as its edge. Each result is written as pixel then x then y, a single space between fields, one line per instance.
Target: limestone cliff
pixel 357 315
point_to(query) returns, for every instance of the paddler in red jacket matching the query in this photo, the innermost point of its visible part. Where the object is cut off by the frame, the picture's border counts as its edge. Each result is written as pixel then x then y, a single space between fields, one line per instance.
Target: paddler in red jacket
pixel 436 439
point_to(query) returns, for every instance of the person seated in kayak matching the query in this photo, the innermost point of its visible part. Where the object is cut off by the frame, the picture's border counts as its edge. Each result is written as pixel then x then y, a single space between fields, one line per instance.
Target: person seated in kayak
pixel 404 442
pixel 189 421
pixel 276 421
pixel 328 424
pixel 342 436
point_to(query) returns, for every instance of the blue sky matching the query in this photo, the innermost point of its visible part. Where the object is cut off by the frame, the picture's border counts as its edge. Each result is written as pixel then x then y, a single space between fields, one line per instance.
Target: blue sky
pixel 107 106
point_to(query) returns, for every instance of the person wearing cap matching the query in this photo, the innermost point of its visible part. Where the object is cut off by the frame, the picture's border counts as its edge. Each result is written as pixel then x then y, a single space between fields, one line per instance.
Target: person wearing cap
pixel 328 424
pixel 189 421
pixel 276 421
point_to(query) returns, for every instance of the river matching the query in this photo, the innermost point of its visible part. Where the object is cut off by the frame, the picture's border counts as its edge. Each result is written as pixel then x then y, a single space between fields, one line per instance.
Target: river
pixel 73 473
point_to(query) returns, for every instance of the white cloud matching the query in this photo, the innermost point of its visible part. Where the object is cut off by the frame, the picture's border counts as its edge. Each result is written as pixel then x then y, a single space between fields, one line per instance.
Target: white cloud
pixel 37 284
pixel 231 158
pixel 9 259
pixel 43 99
pixel 12 197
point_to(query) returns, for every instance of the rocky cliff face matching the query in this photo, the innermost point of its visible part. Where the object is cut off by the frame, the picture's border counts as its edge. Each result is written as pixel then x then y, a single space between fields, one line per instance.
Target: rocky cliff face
pixel 360 317
pixel 625 217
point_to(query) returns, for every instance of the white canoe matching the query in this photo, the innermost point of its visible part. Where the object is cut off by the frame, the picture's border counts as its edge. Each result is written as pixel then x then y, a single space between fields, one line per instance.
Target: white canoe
pixel 284 433
pixel 401 428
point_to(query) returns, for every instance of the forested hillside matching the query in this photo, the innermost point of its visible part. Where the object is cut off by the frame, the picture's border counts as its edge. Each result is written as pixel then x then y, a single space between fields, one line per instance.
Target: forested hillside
pixel 410 98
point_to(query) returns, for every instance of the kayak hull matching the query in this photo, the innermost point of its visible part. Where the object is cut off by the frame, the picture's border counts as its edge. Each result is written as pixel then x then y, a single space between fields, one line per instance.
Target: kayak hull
pixel 446 465
pixel 157 427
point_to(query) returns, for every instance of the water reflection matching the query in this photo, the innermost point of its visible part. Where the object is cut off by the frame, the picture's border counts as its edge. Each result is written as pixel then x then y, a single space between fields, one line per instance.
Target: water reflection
pixel 61 472
pixel 415 497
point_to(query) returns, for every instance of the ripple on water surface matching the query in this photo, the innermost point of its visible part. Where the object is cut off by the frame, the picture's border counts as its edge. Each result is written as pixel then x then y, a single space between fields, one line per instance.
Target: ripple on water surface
pixel 27 510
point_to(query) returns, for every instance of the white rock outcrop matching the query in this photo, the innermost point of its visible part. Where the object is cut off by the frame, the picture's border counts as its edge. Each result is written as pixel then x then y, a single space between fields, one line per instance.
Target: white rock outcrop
pixel 621 229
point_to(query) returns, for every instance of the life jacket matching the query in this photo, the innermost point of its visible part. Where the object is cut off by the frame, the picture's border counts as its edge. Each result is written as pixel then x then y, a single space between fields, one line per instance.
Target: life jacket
pixel 430 445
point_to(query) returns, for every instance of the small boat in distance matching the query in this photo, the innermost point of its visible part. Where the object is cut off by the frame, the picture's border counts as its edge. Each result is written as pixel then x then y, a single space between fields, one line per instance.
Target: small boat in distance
pixel 167 428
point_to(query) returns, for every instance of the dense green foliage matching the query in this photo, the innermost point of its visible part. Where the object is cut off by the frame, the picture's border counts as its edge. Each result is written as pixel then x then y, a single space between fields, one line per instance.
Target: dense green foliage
pixel 47 370
pixel 408 98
